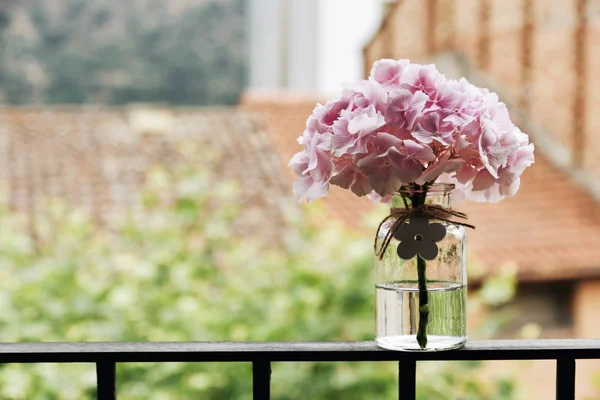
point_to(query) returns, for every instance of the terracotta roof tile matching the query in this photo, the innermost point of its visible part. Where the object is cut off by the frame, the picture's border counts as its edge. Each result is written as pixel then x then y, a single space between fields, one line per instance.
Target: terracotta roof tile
pixel 550 229
pixel 96 158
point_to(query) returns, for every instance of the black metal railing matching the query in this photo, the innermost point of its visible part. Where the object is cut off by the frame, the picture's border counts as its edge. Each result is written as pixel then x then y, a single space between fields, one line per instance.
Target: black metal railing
pixel 261 354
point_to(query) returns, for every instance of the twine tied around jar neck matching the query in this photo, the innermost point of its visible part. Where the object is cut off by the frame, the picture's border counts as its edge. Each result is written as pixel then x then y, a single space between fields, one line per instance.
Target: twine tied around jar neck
pixel 430 211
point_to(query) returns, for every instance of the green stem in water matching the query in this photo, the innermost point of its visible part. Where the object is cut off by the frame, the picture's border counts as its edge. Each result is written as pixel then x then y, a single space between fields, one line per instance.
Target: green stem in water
pixel 423 302
pixel 418 200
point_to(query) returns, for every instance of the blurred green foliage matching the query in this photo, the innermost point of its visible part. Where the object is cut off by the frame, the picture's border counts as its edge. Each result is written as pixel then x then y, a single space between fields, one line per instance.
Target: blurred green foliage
pixel 181 273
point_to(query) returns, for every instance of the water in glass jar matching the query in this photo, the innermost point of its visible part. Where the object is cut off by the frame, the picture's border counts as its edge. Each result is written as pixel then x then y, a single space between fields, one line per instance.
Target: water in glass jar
pixel 398 315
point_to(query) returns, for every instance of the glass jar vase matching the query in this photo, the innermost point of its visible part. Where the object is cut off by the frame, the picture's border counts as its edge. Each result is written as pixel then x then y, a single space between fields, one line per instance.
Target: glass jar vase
pixel 421 303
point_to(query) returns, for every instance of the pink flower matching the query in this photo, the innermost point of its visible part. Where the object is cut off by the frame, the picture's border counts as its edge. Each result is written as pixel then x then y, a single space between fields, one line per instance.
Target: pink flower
pixel 306 187
pixel 466 173
pixel 348 176
pixel 517 162
pixel 495 147
pixel 382 174
pixel 310 184
pixel 364 94
pixel 409 124
pixel 464 102
pixel 424 78
pixel 310 139
pixel 389 169
pixel 381 141
pixel 351 131
pixel 323 117
pixel 486 188
pixel 388 72
pixel 432 127
pixel 443 163
pixel 418 151
pixel 460 112
pixel 313 166
pixel 319 162
pixel 408 167
pixel 483 180
pixel 444 97
pixel 470 131
pixel 498 113
pixel 404 108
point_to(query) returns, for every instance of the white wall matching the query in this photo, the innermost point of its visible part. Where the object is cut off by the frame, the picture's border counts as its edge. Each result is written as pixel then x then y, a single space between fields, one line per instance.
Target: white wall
pixel 264 25
pixel 323 48
pixel 346 26
pixel 303 44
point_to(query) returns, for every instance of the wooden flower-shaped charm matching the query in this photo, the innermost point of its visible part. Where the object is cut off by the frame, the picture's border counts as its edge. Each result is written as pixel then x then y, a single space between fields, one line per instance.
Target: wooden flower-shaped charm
pixel 418 236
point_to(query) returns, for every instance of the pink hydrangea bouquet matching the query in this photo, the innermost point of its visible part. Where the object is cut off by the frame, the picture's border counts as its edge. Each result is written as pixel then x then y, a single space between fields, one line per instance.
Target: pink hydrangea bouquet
pixel 408 126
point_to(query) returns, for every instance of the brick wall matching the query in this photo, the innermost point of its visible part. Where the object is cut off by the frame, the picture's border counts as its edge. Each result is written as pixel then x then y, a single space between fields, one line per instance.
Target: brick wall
pixel 593 92
pixel 467 27
pixel 553 78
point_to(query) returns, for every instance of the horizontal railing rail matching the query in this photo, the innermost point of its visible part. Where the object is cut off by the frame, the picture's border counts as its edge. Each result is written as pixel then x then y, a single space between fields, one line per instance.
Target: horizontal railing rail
pixel 261 354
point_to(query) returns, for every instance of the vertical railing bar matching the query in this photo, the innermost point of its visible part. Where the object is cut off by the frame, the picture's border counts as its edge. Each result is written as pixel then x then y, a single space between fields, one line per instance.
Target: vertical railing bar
pixel 565 379
pixel 407 382
pixel 106 380
pixel 261 380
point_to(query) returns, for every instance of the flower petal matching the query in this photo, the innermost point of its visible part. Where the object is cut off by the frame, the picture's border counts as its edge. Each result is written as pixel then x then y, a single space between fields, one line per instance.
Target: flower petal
pixel 422 135
pixel 395 157
pixel 418 151
pixel 343 176
pixel 388 72
pixel 384 183
pixel 435 169
pixel 417 103
pixel 400 98
pixel 466 174
pixel 383 140
pixel 405 169
pixel 484 180
pixel 306 187
pixel 299 163
pixel 361 186
pixel 410 171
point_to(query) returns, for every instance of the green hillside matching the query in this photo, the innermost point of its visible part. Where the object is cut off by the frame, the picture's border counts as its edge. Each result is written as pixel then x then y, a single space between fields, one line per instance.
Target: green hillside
pixel 116 52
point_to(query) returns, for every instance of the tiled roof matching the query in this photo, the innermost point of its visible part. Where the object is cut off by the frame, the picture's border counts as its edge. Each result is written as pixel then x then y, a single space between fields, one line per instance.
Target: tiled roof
pixel 96 158
pixel 550 229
